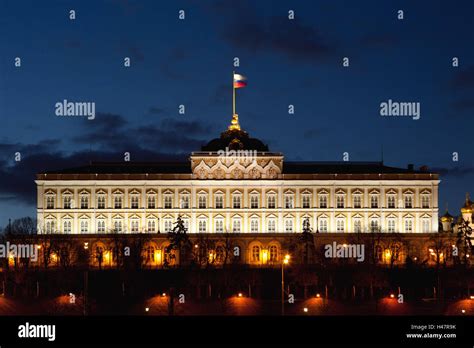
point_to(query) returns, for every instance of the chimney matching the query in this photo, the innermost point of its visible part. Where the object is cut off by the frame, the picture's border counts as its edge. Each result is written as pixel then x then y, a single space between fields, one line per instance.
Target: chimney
pixel 410 167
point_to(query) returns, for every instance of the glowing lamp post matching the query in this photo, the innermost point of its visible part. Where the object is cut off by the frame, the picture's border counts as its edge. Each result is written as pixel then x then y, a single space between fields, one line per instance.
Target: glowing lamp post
pixel 285 261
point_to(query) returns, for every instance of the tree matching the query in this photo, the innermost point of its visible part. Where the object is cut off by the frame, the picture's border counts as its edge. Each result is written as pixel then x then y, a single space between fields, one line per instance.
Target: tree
pixel 464 241
pixel 24 225
pixel 179 241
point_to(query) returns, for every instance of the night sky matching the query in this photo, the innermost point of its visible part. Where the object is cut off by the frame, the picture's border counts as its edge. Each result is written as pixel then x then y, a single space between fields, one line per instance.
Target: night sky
pixel 190 62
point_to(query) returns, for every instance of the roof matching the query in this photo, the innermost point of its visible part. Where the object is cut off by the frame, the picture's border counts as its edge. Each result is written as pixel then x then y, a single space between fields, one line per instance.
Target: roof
pixel 128 168
pixel 345 168
pixel 182 169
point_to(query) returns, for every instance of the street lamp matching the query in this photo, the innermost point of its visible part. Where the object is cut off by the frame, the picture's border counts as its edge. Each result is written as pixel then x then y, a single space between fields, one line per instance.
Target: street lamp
pixel 286 260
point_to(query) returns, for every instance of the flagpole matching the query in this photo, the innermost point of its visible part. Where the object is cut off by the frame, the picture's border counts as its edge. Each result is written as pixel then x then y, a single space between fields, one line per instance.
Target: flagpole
pixel 233 94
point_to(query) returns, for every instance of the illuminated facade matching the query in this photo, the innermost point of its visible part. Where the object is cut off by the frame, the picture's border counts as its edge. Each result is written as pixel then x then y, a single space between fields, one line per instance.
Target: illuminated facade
pixel 235 185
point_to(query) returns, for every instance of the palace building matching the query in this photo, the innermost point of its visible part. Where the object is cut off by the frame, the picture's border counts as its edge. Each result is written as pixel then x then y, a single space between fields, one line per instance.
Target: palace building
pixel 236 185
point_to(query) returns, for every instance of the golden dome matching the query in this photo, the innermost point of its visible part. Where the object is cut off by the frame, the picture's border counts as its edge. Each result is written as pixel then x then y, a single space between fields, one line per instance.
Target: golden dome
pixel 467 207
pixel 447 217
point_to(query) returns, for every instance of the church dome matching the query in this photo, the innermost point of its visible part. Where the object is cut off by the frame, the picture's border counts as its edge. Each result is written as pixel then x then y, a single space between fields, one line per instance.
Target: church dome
pixel 235 138
pixel 447 217
pixel 467 207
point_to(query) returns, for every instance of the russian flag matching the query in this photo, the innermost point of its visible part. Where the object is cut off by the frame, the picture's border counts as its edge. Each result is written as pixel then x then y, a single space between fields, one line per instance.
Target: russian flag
pixel 239 81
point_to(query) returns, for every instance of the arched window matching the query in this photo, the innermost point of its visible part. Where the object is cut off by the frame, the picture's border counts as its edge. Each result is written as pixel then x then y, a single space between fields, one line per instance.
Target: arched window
pixel 67 226
pixel 134 226
pixel 323 225
pixel 357 225
pixel 271 225
pixel 202 202
pixel 391 225
pixel 256 253
pixel 340 222
pixel 236 225
pixel 84 226
pixel 202 226
pixel 374 201
pixel 151 227
pixel 100 226
pixel 219 225
pixel 408 225
pixel 254 225
pixel 271 202
pixel 151 202
pixel 254 202
pixel 134 202
pixel 273 253
pixel 288 225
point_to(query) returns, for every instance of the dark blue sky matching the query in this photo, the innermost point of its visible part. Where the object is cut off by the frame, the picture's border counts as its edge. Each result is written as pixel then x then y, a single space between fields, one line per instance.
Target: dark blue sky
pixel 189 62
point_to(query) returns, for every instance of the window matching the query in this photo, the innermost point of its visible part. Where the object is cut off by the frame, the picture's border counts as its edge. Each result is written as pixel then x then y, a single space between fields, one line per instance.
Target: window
pixel 84 202
pixel 202 226
pixel 219 225
pixel 100 226
pixel 168 225
pixel 271 202
pixel 271 225
pixel 236 225
pixel 374 225
pixel 118 202
pixel 219 202
pixel 254 225
pixel 220 254
pixel 255 253
pixel 202 202
pixel 340 201
pixel 134 226
pixel 357 225
pixel 289 202
pixel 357 201
pixel 151 226
pixel 323 225
pixel 391 225
pixel 323 201
pixel 254 202
pixel 425 201
pixel 184 202
pixel 50 226
pixel 288 225
pixel 101 202
pixel 391 202
pixel 118 226
pixel 84 226
pixel 134 202
pixel 408 202
pixel 67 202
pixel 67 226
pixel 151 202
pixel 408 225
pixel 236 201
pixel 50 202
pixel 340 225
pixel 306 201
pixel 168 202
pixel 426 226
pixel 374 201
pixel 273 253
